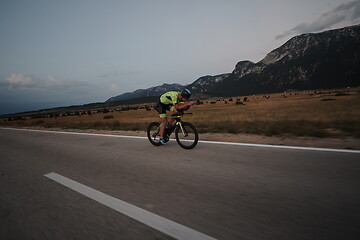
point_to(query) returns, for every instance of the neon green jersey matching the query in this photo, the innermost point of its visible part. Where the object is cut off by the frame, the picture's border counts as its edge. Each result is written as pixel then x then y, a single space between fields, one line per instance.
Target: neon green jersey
pixel 170 98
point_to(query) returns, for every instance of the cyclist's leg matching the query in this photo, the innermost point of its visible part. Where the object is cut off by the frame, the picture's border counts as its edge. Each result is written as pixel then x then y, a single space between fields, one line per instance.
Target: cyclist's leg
pixel 163 125
pixel 173 110
pixel 161 108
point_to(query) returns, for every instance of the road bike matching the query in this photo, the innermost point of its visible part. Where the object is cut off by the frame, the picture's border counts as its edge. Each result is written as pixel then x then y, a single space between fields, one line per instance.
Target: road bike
pixel 186 134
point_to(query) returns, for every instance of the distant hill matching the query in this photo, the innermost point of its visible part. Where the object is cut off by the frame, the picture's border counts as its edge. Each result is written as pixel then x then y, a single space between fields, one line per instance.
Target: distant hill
pixel 324 60
pixel 153 91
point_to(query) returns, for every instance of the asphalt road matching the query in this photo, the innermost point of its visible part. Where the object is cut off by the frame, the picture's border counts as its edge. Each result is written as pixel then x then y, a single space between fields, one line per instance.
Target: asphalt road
pixel 222 191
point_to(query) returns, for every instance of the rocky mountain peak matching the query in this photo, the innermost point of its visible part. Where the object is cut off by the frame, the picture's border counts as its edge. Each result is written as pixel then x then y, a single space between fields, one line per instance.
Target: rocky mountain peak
pixel 329 59
pixel 299 45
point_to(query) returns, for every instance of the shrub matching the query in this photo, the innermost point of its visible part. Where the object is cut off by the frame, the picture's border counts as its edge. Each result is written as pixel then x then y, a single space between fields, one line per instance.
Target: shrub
pixel 198 102
pixel 341 94
pixel 108 116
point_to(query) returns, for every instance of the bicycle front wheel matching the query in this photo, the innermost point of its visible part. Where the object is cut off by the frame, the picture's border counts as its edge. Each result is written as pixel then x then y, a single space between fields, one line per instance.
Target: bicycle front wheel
pixel 186 135
pixel 153 133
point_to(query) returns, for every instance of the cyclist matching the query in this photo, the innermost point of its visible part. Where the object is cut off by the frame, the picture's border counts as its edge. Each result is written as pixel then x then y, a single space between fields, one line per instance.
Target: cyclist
pixel 174 102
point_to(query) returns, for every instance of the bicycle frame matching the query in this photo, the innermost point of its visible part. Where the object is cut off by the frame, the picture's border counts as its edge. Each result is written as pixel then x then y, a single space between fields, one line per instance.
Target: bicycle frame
pixel 177 117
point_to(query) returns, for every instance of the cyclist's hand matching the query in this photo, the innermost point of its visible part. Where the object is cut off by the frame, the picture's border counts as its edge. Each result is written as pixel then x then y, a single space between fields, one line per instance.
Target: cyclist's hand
pixel 188 105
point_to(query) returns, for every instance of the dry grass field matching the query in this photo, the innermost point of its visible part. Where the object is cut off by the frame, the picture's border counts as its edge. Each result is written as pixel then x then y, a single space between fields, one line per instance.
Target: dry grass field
pixel 331 113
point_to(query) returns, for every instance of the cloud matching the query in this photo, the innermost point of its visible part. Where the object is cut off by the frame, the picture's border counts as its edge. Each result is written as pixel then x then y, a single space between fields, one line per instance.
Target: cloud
pixel 119 74
pixel 25 81
pixel 24 92
pixel 347 14
pixel 109 75
pixel 53 81
pixel 19 80
pixel 114 87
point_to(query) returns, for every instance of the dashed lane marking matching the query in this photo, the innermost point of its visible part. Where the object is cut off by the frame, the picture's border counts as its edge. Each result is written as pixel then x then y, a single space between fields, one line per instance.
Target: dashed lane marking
pixel 159 223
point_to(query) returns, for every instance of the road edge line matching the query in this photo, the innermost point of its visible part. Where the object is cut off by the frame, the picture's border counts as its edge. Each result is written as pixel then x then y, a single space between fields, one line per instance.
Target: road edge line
pixel 200 141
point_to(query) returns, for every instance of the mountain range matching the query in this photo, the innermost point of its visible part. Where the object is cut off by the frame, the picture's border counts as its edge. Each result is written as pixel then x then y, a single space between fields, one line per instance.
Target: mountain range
pixel 325 60
pixel 153 91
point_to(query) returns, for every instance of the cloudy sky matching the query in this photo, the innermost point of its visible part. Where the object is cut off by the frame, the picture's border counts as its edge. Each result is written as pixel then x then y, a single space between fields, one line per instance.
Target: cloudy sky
pixel 67 52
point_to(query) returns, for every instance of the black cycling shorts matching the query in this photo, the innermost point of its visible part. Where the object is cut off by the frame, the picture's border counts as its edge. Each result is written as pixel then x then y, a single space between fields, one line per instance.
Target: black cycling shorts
pixel 162 108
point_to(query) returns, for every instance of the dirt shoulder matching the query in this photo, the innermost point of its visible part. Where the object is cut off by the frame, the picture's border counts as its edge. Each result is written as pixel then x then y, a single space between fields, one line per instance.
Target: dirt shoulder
pixel 338 143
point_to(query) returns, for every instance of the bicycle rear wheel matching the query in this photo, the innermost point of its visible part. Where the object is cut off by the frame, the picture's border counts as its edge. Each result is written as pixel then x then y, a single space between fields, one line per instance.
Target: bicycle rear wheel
pixel 153 133
pixel 186 136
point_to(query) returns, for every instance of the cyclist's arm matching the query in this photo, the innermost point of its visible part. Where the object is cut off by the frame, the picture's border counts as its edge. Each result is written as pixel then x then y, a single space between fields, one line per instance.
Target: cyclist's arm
pixel 183 106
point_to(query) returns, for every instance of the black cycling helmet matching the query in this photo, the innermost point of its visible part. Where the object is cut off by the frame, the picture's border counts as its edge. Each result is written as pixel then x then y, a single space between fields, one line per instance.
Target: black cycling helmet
pixel 186 93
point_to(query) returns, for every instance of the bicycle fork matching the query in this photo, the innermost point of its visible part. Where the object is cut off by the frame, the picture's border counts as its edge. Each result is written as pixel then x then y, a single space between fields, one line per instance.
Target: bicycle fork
pixel 182 129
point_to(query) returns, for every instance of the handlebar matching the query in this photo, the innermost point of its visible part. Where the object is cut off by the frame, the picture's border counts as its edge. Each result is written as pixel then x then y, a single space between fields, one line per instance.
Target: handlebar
pixel 180 114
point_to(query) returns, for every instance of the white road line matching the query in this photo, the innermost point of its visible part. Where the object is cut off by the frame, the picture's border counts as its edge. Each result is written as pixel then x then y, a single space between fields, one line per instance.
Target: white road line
pixel 164 225
pixel 73 133
pixel 211 142
pixel 285 147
